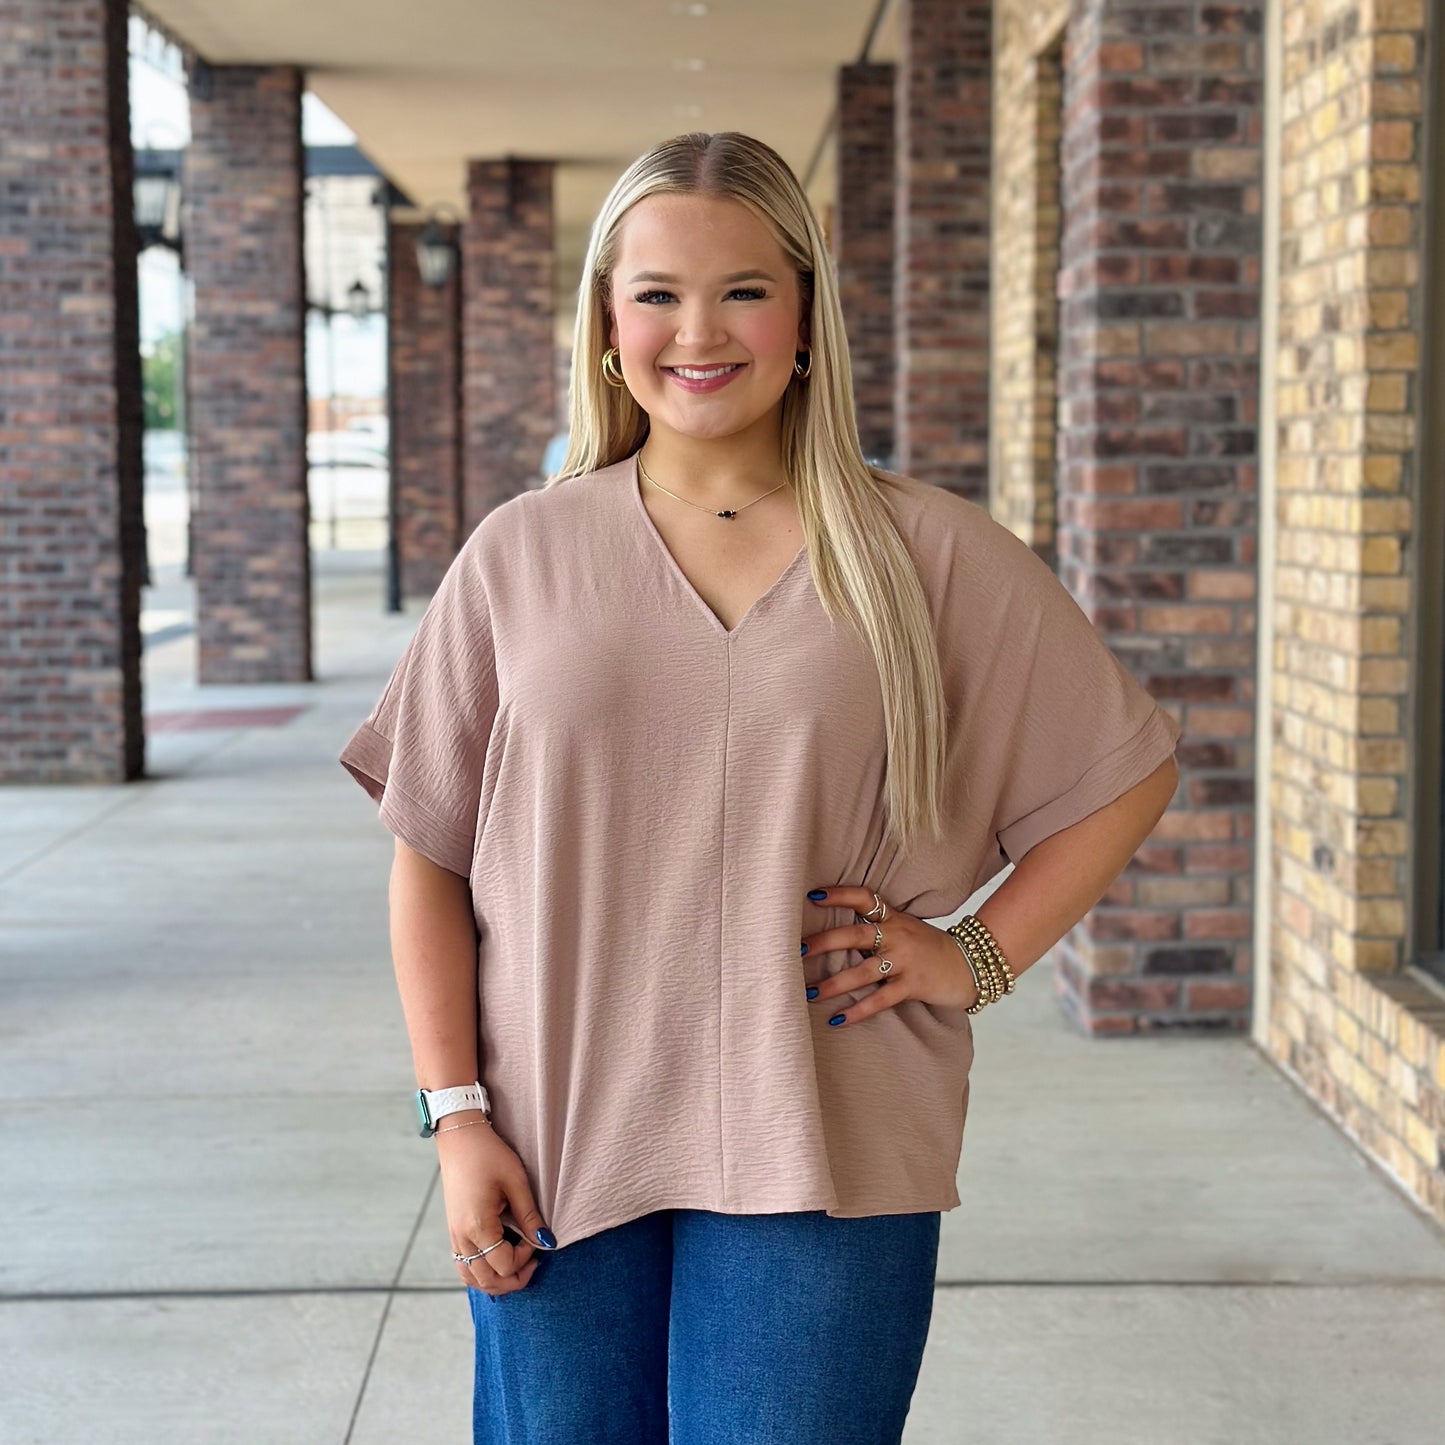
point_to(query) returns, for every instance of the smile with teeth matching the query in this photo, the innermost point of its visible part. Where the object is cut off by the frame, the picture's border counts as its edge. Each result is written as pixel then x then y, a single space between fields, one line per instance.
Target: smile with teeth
pixel 697 373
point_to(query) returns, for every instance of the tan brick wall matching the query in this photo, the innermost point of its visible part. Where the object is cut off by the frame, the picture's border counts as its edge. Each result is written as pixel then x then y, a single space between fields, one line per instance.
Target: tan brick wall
pixel 1024 326
pixel 1365 1040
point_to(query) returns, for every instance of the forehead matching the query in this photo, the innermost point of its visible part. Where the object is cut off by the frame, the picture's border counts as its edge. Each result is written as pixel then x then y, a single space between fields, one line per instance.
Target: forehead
pixel 703 233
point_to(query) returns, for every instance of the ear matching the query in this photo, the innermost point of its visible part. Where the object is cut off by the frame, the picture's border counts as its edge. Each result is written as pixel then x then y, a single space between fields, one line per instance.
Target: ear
pixel 611 329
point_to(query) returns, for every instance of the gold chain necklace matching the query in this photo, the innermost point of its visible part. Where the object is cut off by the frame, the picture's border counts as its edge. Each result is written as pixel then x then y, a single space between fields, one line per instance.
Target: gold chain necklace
pixel 728 515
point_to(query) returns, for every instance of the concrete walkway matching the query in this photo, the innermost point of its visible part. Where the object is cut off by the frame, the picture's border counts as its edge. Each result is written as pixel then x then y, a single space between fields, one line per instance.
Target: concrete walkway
pixel 241 1238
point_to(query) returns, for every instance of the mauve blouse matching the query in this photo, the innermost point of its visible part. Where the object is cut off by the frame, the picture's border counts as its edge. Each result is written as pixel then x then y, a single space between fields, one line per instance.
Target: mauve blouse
pixel 641 799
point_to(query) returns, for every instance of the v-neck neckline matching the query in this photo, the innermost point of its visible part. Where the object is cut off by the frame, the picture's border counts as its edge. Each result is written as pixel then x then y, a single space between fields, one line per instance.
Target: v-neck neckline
pixel 635 483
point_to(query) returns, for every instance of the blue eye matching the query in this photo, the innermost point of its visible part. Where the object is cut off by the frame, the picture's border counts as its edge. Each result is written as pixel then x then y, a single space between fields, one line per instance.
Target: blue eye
pixel 753 293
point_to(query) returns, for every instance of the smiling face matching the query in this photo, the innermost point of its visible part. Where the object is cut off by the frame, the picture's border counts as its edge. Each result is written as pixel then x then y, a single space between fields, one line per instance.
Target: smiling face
pixel 702 286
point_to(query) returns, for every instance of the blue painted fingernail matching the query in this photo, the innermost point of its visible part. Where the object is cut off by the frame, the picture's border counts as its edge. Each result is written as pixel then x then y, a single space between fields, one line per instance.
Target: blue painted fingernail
pixel 817 894
pixel 805 949
pixel 812 993
pixel 836 1019
pixel 546 1238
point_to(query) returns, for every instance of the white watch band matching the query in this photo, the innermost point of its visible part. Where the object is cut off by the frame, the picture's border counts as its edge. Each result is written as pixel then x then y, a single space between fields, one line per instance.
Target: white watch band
pixel 453 1101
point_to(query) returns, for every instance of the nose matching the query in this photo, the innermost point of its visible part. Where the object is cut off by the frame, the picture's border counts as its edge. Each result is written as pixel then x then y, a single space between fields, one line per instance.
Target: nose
pixel 699 327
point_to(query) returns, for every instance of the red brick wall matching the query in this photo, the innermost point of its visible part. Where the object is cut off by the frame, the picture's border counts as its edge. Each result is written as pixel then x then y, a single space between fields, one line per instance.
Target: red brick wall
pixel 508 356
pixel 864 245
pixel 1158 385
pixel 424 333
pixel 941 285
pixel 247 380
pixel 70 400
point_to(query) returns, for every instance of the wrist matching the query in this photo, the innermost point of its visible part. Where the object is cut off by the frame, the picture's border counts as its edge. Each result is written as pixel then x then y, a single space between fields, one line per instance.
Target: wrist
pixel 472 1124
pixel 436 1105
pixel 461 1116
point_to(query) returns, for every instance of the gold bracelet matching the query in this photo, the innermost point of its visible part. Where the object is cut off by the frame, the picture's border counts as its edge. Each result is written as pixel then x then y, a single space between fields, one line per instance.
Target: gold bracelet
pixel 968 959
pixel 452 1128
pixel 978 932
pixel 985 980
pixel 992 972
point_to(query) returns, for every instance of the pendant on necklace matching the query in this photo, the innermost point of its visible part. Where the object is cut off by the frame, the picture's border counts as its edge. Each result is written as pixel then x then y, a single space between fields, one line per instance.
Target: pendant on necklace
pixel 728 515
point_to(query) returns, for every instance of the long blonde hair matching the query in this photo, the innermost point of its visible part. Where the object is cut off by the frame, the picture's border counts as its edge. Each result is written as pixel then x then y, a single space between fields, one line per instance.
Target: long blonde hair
pixel 860 565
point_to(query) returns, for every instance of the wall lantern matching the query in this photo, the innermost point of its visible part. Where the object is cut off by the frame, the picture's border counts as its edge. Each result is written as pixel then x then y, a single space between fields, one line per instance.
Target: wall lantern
pixel 156 195
pixel 436 250
pixel 358 301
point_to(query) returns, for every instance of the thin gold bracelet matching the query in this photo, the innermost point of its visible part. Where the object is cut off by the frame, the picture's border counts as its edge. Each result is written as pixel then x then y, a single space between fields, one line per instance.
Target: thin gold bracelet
pixel 452 1128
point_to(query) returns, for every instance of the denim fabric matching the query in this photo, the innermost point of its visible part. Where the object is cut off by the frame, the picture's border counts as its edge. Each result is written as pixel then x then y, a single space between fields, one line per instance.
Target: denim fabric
pixel 689 1327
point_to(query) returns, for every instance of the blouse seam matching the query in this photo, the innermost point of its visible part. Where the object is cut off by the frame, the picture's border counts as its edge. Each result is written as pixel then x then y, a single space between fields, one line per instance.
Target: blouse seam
pixel 721 916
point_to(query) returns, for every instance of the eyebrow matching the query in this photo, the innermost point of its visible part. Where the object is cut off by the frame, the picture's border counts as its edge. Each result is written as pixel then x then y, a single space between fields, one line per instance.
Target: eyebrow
pixel 736 276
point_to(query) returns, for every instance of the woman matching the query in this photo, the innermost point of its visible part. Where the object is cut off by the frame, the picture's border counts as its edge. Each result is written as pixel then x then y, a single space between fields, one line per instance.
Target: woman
pixel 718 691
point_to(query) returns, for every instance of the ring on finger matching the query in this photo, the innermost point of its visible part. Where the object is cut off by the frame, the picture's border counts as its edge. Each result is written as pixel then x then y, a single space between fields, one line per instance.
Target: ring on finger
pixel 468 1258
pixel 880 908
pixel 885 965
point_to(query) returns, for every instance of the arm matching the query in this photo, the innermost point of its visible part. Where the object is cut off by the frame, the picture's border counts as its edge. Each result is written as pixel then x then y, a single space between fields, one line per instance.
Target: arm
pixel 1064 875
pixel 434 951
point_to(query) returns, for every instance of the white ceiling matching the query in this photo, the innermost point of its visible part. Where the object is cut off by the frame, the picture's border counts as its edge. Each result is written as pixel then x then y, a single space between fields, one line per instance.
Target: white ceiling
pixel 427 84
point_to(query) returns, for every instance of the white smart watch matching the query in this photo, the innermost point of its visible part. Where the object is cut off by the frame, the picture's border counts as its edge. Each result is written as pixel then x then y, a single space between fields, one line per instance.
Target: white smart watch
pixel 431 1104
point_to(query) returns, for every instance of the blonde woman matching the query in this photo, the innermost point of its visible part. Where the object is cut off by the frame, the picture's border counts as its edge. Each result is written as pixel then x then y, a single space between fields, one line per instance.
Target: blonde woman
pixel 686 749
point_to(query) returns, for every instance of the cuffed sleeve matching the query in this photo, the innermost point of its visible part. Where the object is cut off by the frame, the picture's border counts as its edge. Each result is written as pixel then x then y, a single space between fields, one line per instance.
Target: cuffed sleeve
pixel 1050 724
pixel 421 751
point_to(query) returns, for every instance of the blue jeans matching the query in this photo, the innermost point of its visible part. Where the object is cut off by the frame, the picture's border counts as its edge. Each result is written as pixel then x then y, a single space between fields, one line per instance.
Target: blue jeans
pixel 688 1327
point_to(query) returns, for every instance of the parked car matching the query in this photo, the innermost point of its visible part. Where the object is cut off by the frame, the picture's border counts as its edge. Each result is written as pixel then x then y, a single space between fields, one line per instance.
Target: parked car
pixel 345 449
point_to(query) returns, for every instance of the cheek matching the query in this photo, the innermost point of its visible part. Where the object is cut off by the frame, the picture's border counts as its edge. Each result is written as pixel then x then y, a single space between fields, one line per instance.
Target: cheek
pixel 642 334
pixel 768 333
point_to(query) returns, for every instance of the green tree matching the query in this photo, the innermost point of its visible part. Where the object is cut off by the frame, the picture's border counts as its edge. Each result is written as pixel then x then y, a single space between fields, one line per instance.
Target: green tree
pixel 159 374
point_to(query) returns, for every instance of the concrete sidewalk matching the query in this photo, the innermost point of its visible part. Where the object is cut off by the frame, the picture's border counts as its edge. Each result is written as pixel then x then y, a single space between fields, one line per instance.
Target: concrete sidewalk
pixel 241 1239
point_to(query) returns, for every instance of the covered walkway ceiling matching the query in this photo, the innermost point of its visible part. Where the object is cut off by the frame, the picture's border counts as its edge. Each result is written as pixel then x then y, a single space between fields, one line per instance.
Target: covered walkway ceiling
pixel 426 84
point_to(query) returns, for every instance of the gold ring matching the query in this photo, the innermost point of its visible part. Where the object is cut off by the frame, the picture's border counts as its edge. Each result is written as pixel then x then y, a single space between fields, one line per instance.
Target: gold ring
pixel 885 965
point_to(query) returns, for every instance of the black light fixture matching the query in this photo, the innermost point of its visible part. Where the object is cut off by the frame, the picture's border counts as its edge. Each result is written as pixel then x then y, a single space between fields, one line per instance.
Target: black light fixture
pixel 156 195
pixel 358 301
pixel 436 249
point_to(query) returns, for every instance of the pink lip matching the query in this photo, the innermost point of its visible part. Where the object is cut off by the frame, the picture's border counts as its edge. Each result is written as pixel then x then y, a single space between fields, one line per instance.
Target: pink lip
pixel 715 383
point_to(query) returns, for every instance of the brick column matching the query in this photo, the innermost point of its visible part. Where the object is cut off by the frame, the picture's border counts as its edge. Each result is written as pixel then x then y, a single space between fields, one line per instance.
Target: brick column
pixel 508 356
pixel 863 242
pixel 71 544
pixel 424 334
pixel 1158 382
pixel 941 281
pixel 243 219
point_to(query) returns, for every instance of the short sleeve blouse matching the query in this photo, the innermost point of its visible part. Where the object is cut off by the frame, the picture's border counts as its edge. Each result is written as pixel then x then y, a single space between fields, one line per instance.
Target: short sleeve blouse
pixel 641 799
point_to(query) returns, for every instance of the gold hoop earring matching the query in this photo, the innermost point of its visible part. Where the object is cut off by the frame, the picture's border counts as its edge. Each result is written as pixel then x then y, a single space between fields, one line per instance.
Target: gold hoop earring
pixel 611 372
pixel 803 370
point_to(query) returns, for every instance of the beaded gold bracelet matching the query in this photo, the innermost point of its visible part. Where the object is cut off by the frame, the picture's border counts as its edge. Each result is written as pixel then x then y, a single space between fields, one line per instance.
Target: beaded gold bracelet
pixel 991 972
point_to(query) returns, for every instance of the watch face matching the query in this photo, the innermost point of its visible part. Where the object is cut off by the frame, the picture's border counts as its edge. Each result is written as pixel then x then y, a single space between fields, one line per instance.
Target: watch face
pixel 423 1115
